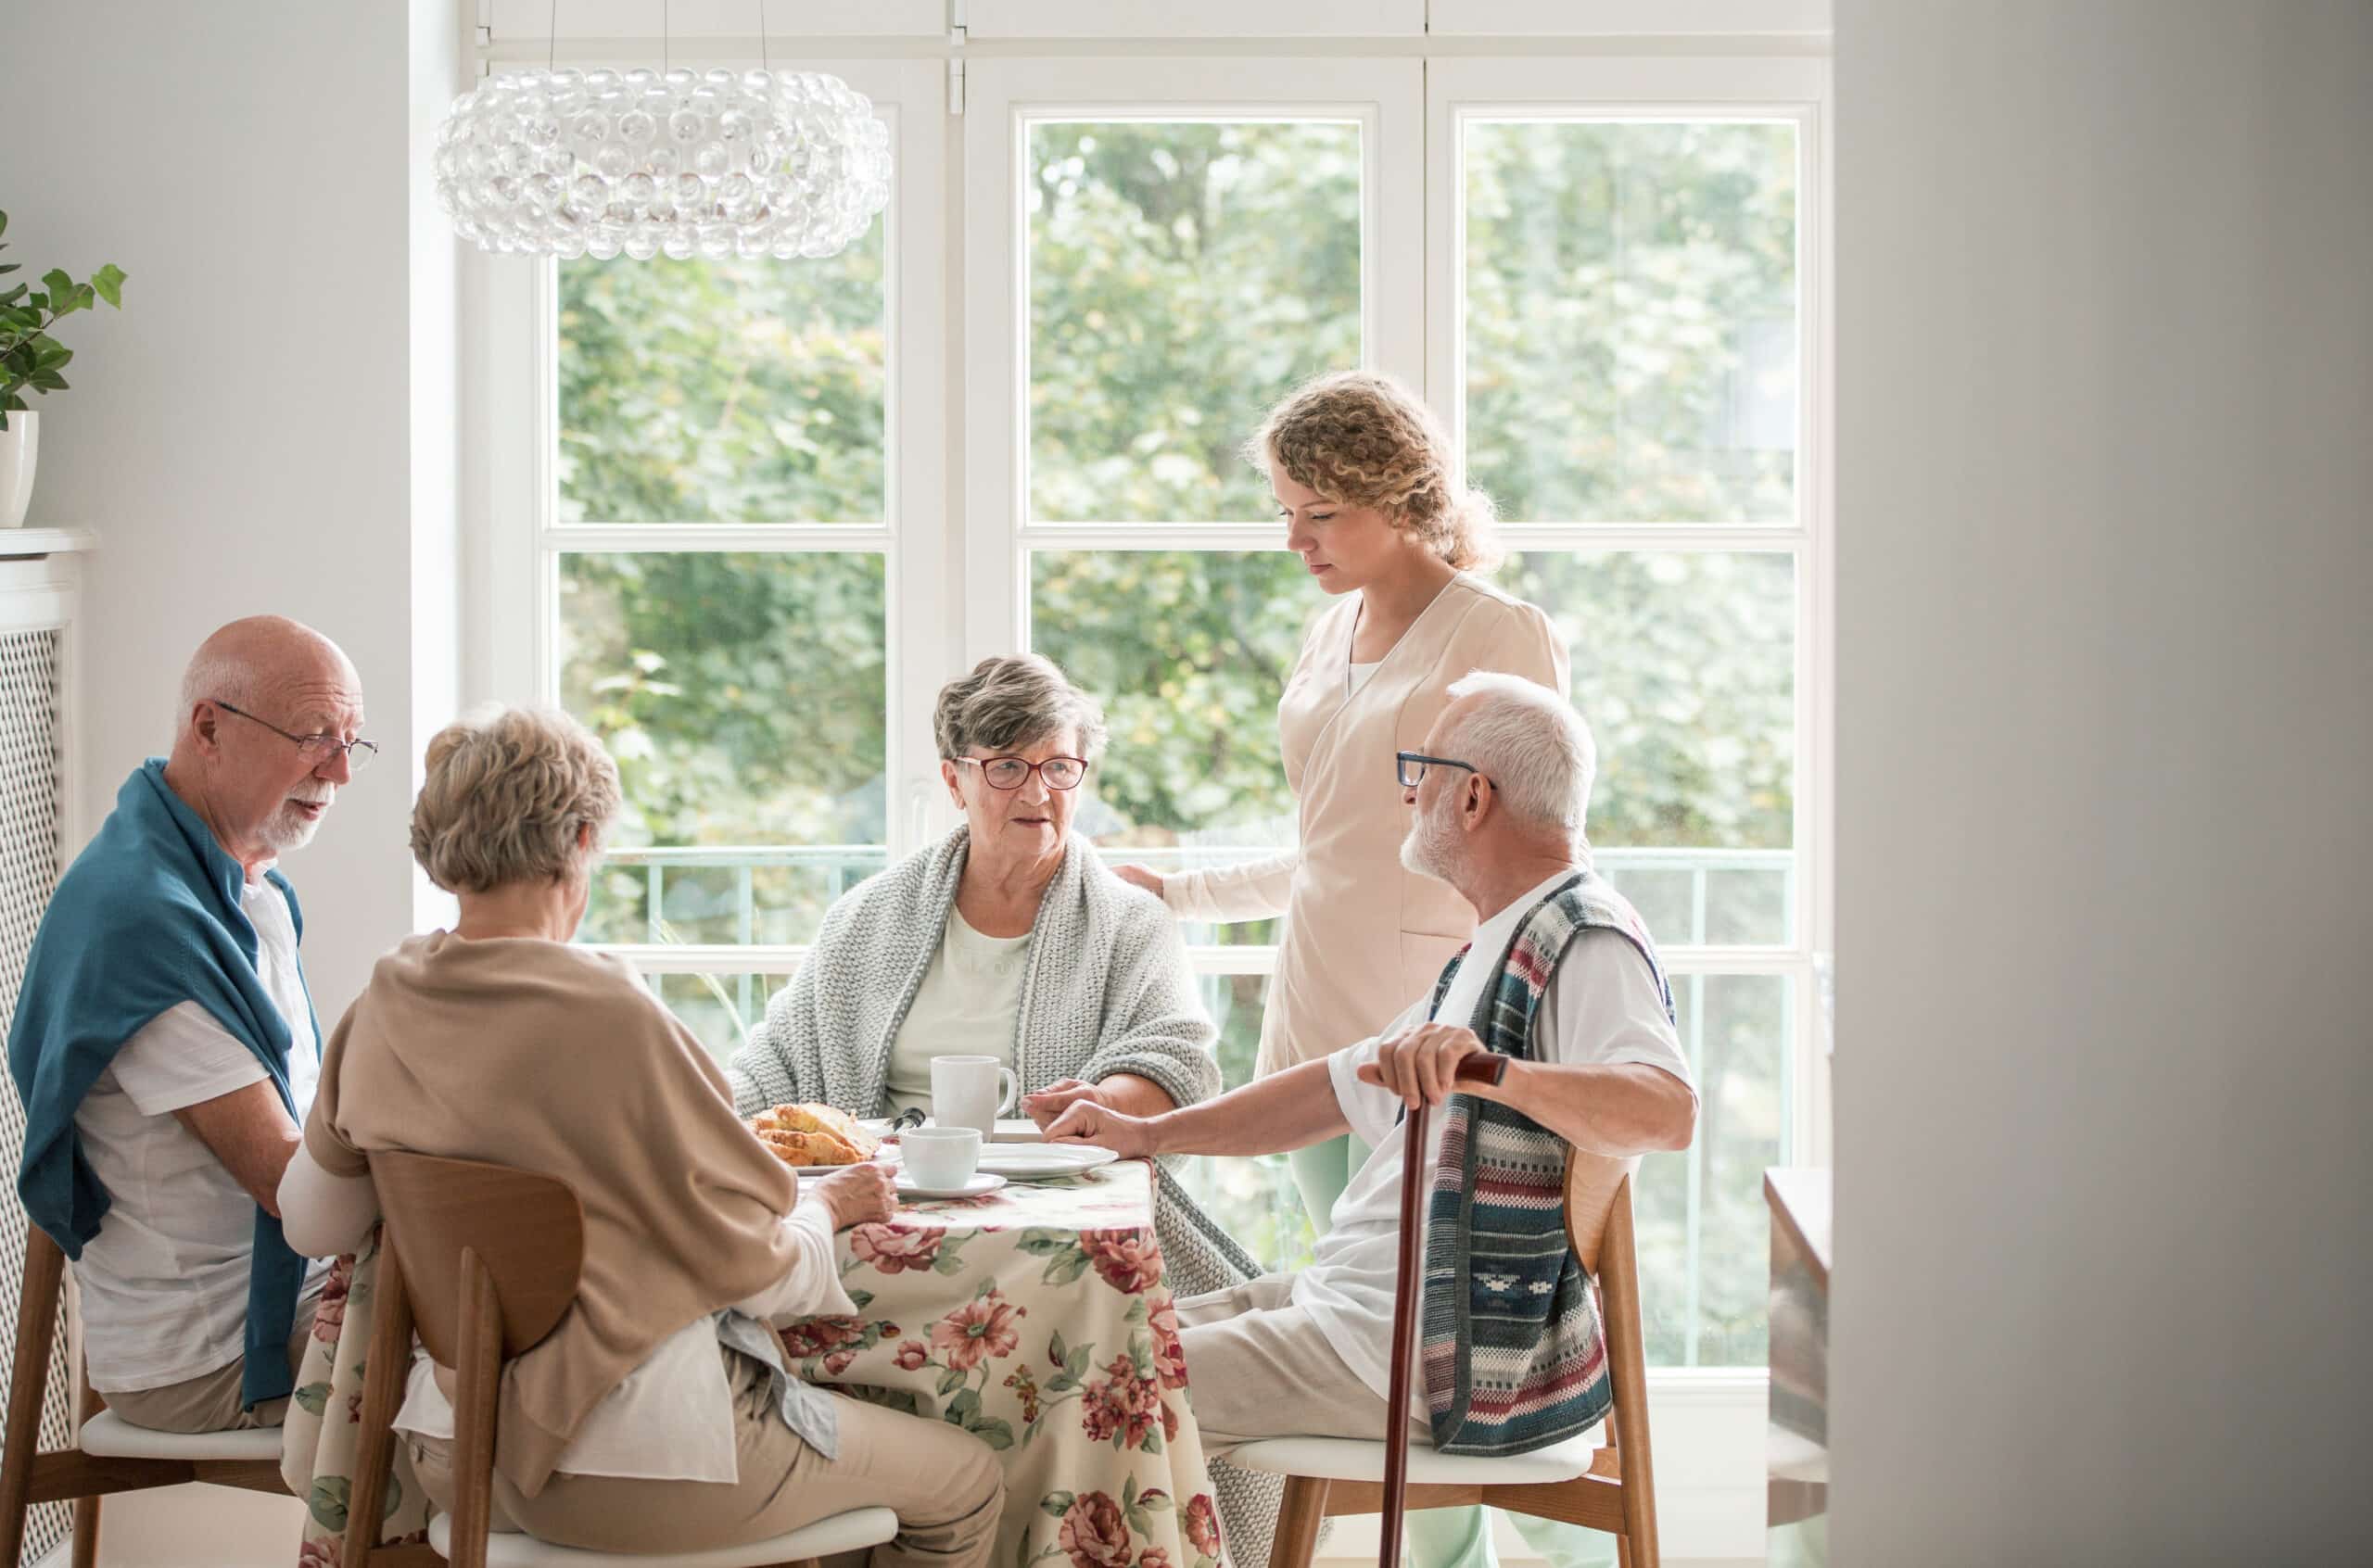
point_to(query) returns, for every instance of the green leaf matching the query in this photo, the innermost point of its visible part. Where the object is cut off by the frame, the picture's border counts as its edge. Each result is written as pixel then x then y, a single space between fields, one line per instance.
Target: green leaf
pixel 950 1381
pixel 4 223
pixel 1055 1351
pixel 1056 1503
pixel 314 1397
pixel 63 291
pixel 1128 1491
pixel 1138 1519
pixel 7 266
pixel 108 280
pixel 863 1298
pixel 328 1504
pixel 1152 1445
pixel 964 1406
pixel 997 1431
pixel 948 1263
pixel 1065 1270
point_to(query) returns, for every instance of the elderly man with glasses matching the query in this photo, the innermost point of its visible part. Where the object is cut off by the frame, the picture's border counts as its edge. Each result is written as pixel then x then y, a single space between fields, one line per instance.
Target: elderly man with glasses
pixel 1562 978
pixel 165 1046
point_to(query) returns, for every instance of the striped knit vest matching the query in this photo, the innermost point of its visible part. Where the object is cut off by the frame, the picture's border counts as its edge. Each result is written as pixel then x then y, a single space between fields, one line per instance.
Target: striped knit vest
pixel 1513 1355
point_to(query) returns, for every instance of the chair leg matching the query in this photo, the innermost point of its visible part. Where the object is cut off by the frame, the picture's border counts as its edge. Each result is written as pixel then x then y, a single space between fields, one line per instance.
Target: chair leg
pixel 88 1402
pixel 1298 1517
pixel 36 1333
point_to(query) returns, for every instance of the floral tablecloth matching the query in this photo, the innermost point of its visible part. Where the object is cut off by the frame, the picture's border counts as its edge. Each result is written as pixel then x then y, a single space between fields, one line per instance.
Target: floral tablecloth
pixel 1036 1318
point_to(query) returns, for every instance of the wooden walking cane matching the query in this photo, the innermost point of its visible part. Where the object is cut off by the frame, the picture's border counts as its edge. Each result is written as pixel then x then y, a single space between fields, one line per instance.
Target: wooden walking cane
pixel 1485 1068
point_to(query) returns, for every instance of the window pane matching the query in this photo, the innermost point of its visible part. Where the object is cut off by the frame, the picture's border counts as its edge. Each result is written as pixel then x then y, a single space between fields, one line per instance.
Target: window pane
pixel 1187 651
pixel 1182 276
pixel 721 1009
pixel 1254 1199
pixel 723 391
pixel 1708 1201
pixel 1684 665
pixel 742 696
pixel 1630 320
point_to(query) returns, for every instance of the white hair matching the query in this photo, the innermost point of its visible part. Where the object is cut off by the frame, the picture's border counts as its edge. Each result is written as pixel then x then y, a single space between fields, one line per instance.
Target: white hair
pixel 216 679
pixel 1533 746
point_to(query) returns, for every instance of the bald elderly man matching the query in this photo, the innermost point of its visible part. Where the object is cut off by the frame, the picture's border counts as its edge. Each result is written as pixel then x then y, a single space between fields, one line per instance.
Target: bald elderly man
pixel 166 1049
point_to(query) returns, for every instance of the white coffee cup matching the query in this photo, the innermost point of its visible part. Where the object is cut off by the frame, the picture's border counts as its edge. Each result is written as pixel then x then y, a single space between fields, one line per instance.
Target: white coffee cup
pixel 970 1092
pixel 941 1158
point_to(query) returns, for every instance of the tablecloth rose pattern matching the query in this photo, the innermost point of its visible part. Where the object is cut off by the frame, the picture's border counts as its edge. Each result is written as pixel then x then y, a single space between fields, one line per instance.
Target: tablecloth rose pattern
pixel 1036 1318
pixel 324 1421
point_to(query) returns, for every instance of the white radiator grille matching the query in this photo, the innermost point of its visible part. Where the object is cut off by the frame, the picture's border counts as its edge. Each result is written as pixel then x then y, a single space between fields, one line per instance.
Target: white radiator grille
pixel 31 780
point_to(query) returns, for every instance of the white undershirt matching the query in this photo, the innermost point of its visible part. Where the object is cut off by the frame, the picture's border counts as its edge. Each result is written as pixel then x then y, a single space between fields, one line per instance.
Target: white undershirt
pixel 1358 676
pixel 969 1004
pixel 164 1283
pixel 1601 1008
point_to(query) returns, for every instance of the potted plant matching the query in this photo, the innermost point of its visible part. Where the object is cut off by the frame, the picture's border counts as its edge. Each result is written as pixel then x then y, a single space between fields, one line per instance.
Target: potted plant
pixel 31 360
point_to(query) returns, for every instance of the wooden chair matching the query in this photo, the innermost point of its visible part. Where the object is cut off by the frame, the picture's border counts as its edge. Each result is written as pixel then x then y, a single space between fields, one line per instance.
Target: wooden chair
pixel 1609 1488
pixel 110 1455
pixel 483 1261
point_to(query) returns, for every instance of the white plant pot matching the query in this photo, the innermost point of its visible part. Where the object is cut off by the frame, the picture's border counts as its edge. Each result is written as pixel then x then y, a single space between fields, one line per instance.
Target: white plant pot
pixel 20 444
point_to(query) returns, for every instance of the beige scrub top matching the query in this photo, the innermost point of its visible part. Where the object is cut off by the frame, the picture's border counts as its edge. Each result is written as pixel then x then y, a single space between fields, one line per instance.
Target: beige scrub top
pixel 1364 938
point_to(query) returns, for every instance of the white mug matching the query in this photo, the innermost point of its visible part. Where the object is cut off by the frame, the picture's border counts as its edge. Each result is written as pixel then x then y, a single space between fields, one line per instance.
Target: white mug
pixel 942 1158
pixel 970 1092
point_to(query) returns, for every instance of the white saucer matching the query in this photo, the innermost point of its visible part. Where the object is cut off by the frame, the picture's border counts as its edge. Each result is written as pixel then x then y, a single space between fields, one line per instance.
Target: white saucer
pixel 981 1182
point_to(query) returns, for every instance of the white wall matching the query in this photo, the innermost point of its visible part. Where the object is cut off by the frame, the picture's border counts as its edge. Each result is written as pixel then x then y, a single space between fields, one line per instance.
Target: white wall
pixel 259 428
pixel 2105 766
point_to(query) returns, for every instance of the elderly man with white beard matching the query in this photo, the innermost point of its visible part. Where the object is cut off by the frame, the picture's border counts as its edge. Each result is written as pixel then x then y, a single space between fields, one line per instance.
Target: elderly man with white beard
pixel 165 1046
pixel 1562 978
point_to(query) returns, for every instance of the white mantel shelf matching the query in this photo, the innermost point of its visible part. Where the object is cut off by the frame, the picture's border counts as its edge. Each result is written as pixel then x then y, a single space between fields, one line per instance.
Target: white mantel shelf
pixel 16 543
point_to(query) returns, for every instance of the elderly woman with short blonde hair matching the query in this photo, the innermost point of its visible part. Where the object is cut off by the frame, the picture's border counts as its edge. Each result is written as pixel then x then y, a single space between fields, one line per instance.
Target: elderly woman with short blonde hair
pixel 1008 938
pixel 659 1416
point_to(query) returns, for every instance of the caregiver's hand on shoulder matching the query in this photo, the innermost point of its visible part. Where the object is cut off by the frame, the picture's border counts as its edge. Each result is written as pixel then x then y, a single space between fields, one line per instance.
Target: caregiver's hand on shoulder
pixel 1051 1102
pixel 1138 877
pixel 1086 1121
pixel 859 1195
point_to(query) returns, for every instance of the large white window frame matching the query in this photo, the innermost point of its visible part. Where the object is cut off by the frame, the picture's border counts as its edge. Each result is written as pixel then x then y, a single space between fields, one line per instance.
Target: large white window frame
pixel 958 542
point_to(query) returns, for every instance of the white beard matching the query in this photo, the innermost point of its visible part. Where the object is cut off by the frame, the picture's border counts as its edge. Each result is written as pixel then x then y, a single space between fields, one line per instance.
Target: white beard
pixel 1433 847
pixel 287 828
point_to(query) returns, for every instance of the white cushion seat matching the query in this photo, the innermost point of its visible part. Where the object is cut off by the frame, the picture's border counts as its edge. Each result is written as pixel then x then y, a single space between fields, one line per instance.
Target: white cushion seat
pixel 852 1531
pixel 1362 1459
pixel 109 1435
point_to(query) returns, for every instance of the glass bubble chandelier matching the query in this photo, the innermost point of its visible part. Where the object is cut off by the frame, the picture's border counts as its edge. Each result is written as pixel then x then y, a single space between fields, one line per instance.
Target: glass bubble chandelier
pixel 677 163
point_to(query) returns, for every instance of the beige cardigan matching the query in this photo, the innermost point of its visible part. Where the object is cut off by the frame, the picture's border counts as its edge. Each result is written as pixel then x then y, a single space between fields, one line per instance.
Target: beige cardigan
pixel 1362 937
pixel 552 1058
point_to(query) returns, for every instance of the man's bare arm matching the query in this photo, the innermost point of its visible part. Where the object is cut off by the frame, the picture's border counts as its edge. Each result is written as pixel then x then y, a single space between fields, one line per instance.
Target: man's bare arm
pixel 1284 1111
pixel 250 1131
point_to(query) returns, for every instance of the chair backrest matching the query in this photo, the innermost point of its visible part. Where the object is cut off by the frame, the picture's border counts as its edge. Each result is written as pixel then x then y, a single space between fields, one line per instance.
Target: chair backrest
pixel 529 1230
pixel 1591 1183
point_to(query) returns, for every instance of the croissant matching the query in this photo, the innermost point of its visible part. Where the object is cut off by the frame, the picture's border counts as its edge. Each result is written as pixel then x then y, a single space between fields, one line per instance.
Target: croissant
pixel 813 1134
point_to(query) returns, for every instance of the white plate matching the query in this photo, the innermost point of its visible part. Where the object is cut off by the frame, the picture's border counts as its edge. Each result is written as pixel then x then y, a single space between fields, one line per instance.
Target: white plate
pixel 981 1182
pixel 1027 1162
pixel 1010 1129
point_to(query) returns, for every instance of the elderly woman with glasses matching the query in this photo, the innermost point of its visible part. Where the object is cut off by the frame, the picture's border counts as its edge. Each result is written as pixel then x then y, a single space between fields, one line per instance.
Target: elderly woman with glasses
pixel 1007 939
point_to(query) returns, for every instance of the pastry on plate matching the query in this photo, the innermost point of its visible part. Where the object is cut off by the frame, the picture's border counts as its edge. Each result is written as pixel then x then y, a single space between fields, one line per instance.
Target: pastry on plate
pixel 812 1135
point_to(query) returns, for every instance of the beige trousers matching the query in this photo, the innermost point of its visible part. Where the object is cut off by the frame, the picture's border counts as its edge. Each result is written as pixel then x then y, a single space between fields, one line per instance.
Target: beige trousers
pixel 944 1483
pixel 211 1403
pixel 1244 1345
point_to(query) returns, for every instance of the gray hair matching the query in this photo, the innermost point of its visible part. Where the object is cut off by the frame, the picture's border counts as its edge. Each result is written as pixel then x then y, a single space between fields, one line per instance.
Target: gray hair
pixel 505 795
pixel 217 677
pixel 1532 744
pixel 1008 703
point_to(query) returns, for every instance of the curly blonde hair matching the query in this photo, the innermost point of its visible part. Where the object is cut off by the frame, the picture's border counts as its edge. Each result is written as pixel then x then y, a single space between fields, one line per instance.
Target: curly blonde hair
pixel 1365 440
pixel 505 796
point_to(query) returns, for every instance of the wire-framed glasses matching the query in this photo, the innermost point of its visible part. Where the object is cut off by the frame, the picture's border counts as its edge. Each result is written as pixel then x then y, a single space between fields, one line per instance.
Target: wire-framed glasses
pixel 315 749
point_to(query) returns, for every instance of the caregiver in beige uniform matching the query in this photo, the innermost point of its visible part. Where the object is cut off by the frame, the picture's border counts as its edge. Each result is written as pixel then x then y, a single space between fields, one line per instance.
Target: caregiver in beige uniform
pixel 1365 479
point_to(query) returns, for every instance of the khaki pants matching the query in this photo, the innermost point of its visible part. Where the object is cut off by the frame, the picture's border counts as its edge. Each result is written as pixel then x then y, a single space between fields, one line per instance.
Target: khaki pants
pixel 944 1483
pixel 1245 1343
pixel 212 1403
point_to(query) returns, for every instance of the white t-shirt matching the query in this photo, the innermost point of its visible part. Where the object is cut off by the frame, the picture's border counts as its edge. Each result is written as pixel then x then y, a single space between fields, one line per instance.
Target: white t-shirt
pixel 969 1004
pixel 1602 1009
pixel 1357 675
pixel 164 1283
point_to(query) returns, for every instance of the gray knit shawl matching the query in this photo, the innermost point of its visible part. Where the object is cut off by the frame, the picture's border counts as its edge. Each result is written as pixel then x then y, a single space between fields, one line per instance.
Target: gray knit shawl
pixel 1107 991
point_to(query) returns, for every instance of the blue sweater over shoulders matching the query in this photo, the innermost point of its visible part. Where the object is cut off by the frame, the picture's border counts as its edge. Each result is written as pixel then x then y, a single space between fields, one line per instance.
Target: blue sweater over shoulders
pixel 148 916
